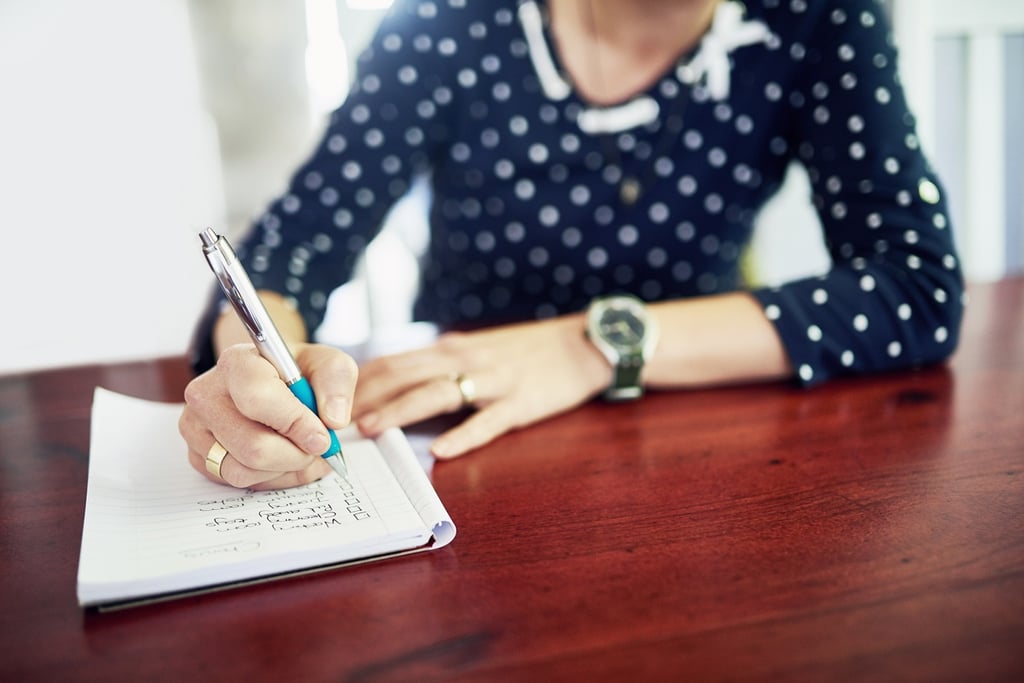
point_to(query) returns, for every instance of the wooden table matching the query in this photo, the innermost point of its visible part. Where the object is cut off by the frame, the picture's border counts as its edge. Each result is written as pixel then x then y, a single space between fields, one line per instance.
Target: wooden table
pixel 867 530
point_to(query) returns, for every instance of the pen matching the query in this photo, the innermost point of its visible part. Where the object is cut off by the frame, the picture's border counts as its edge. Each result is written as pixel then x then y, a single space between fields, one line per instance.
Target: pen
pixel 242 295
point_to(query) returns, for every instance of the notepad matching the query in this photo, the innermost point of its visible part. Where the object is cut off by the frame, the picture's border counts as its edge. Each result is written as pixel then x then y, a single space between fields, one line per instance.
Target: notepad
pixel 155 528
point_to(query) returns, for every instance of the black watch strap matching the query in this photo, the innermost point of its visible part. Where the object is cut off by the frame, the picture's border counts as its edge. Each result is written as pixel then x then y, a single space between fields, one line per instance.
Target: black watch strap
pixel 626 380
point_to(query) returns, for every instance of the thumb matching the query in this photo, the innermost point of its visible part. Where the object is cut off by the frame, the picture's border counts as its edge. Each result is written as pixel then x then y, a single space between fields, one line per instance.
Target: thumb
pixel 332 376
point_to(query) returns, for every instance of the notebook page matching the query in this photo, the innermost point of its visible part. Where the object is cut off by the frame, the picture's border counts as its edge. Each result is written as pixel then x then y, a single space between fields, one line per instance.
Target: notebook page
pixel 154 525
pixel 403 461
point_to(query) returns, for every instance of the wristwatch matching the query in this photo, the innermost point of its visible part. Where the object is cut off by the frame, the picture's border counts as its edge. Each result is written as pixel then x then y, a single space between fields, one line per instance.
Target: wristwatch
pixel 625 333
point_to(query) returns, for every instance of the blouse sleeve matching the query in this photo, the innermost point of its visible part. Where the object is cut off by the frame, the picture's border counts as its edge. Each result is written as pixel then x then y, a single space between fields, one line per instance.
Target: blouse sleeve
pixel 894 296
pixel 391 125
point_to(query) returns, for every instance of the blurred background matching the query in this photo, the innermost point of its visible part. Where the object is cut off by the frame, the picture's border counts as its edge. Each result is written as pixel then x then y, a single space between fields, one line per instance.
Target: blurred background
pixel 126 126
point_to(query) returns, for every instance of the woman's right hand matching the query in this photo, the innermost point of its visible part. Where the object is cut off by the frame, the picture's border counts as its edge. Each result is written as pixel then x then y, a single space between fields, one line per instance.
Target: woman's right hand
pixel 273 441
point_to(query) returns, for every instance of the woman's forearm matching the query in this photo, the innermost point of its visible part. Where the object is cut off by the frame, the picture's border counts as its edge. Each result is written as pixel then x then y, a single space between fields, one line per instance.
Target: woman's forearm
pixel 722 339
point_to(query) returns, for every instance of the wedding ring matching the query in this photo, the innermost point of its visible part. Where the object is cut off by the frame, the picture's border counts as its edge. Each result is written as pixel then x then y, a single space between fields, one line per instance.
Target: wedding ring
pixel 467 389
pixel 215 458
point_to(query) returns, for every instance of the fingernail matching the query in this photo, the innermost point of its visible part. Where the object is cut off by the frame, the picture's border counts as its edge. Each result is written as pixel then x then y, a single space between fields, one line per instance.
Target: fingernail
pixel 368 423
pixel 338 410
pixel 317 443
pixel 441 449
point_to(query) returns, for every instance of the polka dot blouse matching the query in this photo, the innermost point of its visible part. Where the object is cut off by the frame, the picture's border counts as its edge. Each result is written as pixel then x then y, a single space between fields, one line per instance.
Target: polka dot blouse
pixel 542 202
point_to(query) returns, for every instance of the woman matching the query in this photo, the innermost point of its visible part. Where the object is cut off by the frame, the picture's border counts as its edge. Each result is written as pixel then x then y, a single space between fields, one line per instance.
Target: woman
pixel 578 149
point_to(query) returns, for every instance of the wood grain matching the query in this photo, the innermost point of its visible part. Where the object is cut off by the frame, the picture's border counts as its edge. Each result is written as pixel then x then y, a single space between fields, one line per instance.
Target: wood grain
pixel 870 529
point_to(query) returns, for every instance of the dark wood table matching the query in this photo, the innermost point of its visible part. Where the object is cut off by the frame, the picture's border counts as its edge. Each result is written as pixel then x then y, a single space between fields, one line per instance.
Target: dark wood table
pixel 866 530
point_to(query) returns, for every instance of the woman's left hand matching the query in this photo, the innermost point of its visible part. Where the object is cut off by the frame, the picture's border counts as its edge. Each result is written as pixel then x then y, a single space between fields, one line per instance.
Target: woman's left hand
pixel 513 375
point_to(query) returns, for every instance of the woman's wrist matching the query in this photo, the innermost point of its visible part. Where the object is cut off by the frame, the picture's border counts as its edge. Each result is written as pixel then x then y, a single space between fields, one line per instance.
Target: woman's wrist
pixel 228 329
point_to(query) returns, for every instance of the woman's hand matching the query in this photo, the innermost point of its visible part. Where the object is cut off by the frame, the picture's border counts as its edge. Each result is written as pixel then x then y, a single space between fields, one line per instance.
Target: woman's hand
pixel 272 439
pixel 520 374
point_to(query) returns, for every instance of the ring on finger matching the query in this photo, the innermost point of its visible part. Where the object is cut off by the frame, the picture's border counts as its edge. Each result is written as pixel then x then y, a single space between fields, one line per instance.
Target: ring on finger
pixel 215 458
pixel 466 387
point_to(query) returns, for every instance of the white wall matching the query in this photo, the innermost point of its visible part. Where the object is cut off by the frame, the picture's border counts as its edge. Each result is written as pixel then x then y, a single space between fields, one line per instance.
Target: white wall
pixel 108 170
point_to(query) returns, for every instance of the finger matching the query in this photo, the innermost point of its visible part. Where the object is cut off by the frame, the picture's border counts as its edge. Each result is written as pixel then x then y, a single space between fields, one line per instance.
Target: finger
pixel 210 411
pixel 236 468
pixel 258 393
pixel 332 375
pixel 481 427
pixel 437 396
pixel 381 379
pixel 316 471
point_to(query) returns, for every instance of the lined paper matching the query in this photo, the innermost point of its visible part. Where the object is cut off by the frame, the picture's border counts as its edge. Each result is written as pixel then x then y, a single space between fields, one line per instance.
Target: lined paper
pixel 153 525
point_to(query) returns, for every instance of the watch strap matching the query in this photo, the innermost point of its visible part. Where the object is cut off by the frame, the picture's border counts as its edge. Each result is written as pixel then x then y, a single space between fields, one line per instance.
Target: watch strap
pixel 626 379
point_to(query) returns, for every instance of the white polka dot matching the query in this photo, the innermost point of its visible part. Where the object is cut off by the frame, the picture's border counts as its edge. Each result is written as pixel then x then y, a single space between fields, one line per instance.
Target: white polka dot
pixel 628 235
pixel 525 189
pixel 941 335
pixel 351 170
pixel 806 373
pixel 940 296
pixel 538 257
pixel 597 257
pixel 860 322
pixel 515 232
pixel 894 349
pixel 538 153
pixel 407 75
pixel 504 169
pixel 814 333
pixel 904 311
pixel 867 283
pixel 687 186
pixel 773 312
pixel 846 358
pixel 336 144
pixel 548 216
pixel 819 296
pixel 658 212
pixel 713 203
pixel 579 195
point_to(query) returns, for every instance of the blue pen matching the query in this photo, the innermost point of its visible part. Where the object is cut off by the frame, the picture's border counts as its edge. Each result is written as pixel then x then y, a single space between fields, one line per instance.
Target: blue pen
pixel 242 295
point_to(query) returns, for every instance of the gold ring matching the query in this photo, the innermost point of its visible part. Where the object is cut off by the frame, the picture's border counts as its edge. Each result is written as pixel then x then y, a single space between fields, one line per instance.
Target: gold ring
pixel 467 389
pixel 215 458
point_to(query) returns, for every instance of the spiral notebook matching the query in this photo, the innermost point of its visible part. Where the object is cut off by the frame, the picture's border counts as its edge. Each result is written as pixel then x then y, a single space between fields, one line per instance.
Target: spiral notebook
pixel 155 529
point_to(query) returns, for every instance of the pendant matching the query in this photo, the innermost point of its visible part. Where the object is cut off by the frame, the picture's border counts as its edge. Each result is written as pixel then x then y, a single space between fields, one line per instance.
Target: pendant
pixel 629 191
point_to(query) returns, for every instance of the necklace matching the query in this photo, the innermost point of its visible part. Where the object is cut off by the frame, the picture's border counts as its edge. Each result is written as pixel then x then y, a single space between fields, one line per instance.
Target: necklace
pixel 604 120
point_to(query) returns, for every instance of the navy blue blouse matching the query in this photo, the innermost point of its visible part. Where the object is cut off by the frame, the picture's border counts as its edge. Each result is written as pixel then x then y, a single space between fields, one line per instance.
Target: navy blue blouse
pixel 535 210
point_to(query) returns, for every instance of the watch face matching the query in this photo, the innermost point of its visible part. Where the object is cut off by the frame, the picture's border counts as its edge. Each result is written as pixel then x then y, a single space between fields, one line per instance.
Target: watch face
pixel 621 327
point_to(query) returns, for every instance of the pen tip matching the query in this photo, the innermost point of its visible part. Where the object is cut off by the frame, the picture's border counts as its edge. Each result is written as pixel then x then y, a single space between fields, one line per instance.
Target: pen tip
pixel 338 465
